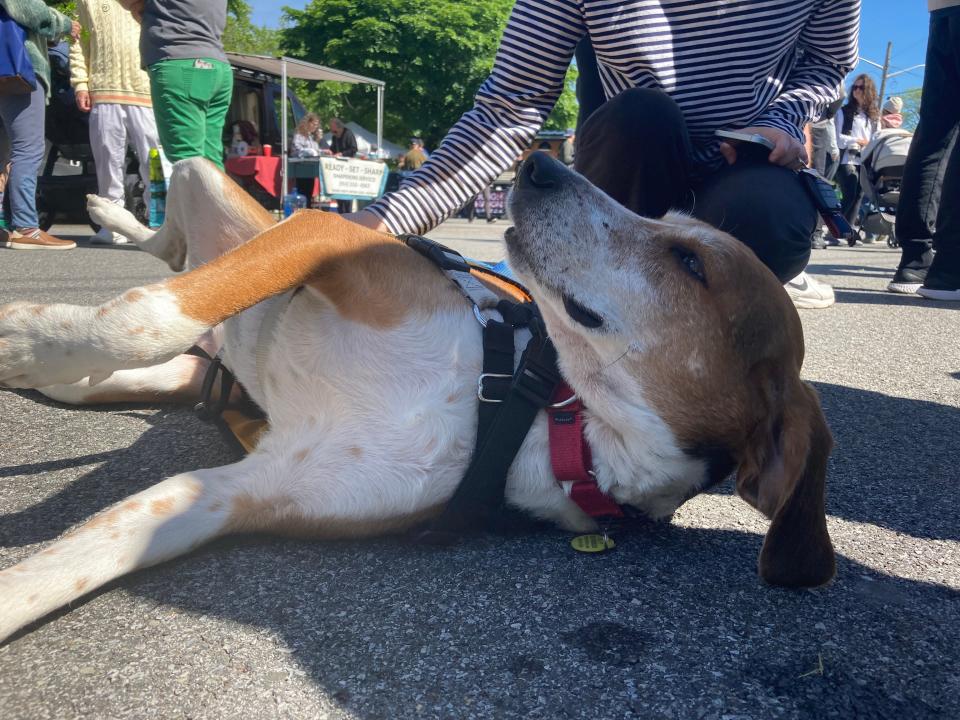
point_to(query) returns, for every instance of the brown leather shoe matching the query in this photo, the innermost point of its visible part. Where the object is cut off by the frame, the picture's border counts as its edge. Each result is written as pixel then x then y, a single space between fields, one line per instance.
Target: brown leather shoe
pixel 37 239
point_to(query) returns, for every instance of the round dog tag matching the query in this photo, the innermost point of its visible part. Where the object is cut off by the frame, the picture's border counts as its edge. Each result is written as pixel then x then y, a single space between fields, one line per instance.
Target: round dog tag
pixel 592 543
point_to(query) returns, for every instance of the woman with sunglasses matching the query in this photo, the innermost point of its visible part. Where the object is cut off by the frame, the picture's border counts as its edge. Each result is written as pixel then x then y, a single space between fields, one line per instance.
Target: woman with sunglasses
pixel 857 122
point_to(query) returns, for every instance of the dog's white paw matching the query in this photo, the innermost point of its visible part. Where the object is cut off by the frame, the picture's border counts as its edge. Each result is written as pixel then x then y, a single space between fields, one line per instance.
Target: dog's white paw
pixel 105 213
pixel 44 344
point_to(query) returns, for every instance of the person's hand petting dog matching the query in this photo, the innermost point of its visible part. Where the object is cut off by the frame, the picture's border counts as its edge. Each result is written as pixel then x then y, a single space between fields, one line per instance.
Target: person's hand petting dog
pixel 787 150
pixel 367 219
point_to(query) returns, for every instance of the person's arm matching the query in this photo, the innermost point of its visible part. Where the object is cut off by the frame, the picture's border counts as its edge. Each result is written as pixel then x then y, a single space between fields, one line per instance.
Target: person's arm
pixel 80 60
pixel 828 43
pixel 509 108
pixel 35 16
pixel 832 148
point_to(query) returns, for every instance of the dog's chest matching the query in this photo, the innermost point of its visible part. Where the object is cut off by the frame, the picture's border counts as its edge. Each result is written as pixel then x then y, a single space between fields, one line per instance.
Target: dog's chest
pixel 415 382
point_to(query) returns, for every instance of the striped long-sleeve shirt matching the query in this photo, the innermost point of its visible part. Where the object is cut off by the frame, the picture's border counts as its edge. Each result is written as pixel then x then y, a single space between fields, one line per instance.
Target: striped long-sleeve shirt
pixel 727 64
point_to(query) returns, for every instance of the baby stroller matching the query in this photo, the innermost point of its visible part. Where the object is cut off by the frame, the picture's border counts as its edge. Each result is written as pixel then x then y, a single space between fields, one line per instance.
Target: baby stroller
pixel 881 172
pixel 62 187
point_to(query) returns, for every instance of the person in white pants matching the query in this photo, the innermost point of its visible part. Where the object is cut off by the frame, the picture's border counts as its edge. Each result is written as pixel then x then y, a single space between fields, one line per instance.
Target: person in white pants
pixel 106 76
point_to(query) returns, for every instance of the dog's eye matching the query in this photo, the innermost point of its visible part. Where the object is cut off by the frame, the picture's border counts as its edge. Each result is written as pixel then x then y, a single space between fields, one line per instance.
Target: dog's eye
pixel 691 263
pixel 579 314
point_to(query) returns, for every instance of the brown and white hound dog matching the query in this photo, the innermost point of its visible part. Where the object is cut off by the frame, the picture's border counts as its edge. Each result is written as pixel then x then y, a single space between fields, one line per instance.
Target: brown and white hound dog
pixel 685 349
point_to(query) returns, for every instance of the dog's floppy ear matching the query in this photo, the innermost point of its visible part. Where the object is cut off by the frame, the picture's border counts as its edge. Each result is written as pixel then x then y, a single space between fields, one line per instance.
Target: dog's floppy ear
pixel 782 473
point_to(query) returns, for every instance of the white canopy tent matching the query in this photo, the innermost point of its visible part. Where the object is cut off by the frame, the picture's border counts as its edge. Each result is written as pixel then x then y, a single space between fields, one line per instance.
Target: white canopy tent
pixel 285 68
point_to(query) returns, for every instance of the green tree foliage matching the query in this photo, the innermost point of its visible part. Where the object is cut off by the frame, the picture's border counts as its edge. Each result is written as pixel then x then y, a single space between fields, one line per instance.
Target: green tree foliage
pixel 68 8
pixel 564 115
pixel 241 35
pixel 911 108
pixel 432 54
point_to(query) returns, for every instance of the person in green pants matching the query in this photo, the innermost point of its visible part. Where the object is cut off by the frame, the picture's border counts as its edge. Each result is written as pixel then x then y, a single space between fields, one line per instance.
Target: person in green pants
pixel 191 81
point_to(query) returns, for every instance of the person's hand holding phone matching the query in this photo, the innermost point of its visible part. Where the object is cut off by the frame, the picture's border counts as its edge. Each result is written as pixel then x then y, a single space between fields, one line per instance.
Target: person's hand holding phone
pixel 787 150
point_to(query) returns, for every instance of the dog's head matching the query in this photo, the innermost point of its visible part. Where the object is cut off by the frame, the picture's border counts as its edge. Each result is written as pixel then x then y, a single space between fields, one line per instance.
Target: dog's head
pixel 672 328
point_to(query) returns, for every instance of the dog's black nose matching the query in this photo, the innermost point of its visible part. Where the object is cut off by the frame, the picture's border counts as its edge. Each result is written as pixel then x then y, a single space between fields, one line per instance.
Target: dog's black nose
pixel 541 171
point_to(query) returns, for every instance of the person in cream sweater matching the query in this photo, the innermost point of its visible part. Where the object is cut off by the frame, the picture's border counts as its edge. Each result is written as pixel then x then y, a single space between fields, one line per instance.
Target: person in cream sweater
pixel 109 83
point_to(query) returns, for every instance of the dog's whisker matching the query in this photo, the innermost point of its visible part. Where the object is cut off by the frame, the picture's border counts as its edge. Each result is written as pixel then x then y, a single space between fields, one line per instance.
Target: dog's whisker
pixel 626 351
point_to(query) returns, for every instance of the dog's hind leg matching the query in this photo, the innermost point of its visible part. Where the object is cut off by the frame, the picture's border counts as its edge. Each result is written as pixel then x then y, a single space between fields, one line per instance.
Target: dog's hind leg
pixel 207 214
pixel 164 243
pixel 176 381
pixel 160 523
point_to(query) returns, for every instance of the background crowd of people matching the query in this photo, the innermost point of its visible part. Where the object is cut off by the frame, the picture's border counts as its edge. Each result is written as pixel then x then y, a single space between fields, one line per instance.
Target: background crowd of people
pixel 927 228
pixel 154 73
pixel 151 73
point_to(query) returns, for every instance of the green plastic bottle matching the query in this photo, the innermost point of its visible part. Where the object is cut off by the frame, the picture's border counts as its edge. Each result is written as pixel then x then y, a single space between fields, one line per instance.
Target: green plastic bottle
pixel 158 190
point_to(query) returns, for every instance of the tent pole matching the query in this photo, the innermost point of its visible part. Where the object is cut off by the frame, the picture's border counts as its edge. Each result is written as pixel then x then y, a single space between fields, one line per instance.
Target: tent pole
pixel 283 131
pixel 380 119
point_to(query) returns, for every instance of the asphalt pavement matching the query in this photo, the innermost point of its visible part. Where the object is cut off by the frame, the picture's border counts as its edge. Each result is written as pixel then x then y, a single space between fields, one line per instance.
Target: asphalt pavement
pixel 674 623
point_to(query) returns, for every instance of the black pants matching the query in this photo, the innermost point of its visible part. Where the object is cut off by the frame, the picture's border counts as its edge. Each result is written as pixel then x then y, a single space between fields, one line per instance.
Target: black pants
pixel 848 178
pixel 932 170
pixel 636 148
pixel 305 188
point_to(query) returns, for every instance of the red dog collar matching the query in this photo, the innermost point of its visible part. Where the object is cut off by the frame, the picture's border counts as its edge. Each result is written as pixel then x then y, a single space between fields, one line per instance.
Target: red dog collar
pixel 570 455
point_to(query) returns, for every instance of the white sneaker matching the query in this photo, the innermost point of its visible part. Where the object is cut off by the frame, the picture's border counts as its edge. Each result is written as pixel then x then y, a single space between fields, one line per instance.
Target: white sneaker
pixel 809 294
pixel 105 237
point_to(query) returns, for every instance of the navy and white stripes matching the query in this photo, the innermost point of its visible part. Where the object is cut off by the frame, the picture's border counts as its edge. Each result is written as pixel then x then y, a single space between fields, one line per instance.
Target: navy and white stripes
pixel 727 63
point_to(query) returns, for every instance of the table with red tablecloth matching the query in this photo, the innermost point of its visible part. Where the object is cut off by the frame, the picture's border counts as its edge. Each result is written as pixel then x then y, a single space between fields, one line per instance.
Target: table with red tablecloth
pixel 264 170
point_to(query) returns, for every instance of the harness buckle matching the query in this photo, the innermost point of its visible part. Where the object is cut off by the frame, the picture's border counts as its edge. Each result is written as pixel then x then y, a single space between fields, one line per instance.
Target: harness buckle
pixel 480 386
pixel 478 314
pixel 538 377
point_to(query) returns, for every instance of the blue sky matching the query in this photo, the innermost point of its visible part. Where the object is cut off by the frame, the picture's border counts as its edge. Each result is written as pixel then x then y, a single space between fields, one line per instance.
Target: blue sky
pixel 903 22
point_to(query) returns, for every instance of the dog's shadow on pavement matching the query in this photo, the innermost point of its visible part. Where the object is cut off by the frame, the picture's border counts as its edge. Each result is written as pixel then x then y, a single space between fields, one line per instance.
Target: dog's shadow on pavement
pixel 176 441
pixel 894 462
pixel 493 626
